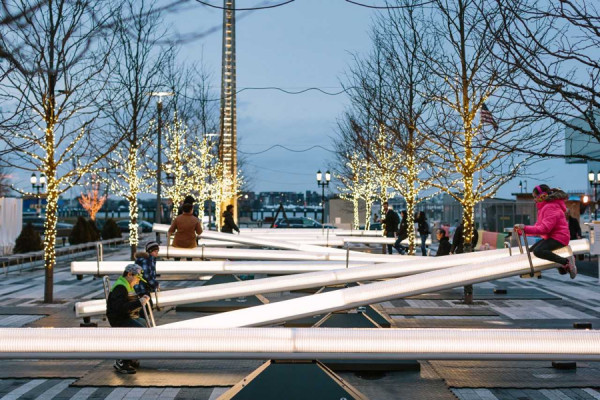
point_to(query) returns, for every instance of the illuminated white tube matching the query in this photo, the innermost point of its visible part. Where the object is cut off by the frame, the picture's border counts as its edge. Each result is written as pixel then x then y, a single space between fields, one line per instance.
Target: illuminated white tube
pixel 377 292
pixel 290 255
pixel 269 243
pixel 306 280
pixel 214 267
pixel 344 232
pixel 300 343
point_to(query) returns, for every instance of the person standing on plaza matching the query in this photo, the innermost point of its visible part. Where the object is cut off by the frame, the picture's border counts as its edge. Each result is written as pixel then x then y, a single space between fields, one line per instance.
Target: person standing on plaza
pixel 458 241
pixel 552 226
pixel 123 308
pixel 185 227
pixel 402 233
pixel 228 223
pixel 423 229
pixel 444 243
pixel 390 223
pixel 574 227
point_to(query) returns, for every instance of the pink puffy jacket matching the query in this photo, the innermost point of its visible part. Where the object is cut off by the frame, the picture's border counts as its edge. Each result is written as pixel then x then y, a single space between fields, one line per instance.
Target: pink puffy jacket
pixel 551 222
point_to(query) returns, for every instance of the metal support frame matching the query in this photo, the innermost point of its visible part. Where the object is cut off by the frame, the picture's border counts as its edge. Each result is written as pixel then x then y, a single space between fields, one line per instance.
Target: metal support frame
pixel 99 256
pixel 533 273
pixel 292 380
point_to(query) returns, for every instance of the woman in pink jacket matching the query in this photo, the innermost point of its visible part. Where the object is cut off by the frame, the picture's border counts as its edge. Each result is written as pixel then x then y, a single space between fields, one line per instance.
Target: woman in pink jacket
pixel 552 226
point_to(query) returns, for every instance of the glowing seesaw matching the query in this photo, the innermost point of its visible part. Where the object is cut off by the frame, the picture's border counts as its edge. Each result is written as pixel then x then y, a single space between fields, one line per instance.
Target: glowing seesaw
pixel 303 343
pixel 339 275
pixel 282 255
pixel 344 299
pixel 223 267
pixel 275 243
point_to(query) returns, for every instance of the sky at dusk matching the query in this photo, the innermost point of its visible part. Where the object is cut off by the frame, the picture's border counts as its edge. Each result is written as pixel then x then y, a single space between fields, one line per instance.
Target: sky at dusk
pixel 307 43
pixel 304 44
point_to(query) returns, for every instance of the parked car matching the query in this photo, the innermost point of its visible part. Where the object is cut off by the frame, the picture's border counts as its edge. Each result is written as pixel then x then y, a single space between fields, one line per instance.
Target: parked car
pixel 300 222
pixel 62 228
pixel 144 226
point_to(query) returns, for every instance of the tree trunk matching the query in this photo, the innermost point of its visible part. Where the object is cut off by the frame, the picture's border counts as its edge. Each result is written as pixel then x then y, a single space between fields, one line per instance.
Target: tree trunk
pixel 468 220
pixel 356 220
pixel 133 229
pixel 368 207
pixel 50 237
pixel 410 225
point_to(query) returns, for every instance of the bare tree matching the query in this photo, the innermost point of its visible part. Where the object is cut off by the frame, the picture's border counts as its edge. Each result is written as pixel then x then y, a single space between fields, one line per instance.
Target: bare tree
pixel 50 89
pixel 137 70
pixel 554 45
pixel 478 124
pixel 390 105
pixel 4 185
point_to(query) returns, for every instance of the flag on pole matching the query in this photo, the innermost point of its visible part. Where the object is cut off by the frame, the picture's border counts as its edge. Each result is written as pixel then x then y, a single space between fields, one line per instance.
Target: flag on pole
pixel 487 117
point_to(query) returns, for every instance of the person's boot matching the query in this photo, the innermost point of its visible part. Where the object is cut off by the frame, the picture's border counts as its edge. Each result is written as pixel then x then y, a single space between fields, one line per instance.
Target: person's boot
pixel 123 367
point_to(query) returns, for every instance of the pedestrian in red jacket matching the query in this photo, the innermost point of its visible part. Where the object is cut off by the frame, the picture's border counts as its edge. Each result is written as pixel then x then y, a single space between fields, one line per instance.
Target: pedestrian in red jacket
pixel 552 226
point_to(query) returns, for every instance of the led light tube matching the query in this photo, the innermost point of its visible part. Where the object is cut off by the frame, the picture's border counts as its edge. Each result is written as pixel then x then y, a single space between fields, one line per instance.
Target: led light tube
pixel 282 255
pixel 300 343
pixel 377 292
pixel 357 273
pixel 276 244
pixel 214 267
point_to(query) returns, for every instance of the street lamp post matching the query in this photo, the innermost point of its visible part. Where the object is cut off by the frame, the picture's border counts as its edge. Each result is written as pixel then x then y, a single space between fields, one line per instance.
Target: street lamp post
pixel 595 181
pixel 323 183
pixel 37 188
pixel 157 214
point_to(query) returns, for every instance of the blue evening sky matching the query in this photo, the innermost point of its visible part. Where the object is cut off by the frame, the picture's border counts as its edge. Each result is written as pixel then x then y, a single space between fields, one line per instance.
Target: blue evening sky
pixel 307 43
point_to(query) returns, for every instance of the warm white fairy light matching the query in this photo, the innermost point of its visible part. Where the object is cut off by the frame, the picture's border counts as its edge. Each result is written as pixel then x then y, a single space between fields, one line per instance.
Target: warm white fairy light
pixel 133 176
pixel 353 185
pixel 222 187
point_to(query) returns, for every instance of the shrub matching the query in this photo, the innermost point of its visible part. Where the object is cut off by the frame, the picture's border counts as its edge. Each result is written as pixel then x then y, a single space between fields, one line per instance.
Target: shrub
pixel 111 230
pixel 28 240
pixel 94 231
pixel 81 232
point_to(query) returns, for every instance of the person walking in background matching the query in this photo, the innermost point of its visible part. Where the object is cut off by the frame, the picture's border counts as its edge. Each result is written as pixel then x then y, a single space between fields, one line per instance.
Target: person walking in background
pixel 458 240
pixel 423 229
pixel 147 261
pixel 402 233
pixel 123 309
pixel 574 227
pixel 444 243
pixel 228 223
pixel 185 227
pixel 552 226
pixel 390 223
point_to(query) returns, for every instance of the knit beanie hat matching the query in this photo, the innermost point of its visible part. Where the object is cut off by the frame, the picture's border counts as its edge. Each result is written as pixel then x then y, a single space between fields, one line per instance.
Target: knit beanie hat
pixel 151 246
pixel 133 268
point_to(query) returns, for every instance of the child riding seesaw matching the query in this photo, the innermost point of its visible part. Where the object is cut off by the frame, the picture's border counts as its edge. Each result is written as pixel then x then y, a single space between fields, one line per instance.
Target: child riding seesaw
pixel 552 226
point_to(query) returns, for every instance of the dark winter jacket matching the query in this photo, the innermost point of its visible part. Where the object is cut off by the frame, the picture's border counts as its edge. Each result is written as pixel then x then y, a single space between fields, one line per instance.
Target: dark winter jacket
pixel 148 264
pixel 574 228
pixel 444 247
pixel 228 223
pixel 422 226
pixel 122 304
pixel 551 222
pixel 403 228
pixel 390 222
pixel 458 242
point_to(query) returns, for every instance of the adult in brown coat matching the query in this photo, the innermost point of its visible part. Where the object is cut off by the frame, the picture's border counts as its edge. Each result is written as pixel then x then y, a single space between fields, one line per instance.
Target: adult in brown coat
pixel 186 226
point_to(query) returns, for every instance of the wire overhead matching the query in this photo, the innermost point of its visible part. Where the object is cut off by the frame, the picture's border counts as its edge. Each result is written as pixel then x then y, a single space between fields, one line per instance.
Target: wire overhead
pixel 288 149
pixel 389 7
pixel 245 9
